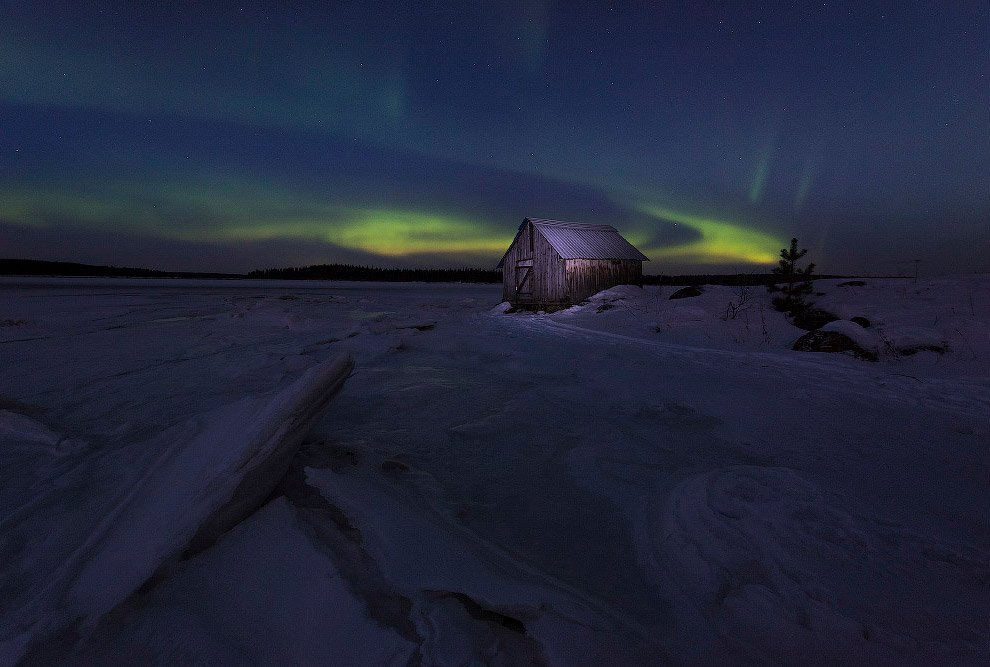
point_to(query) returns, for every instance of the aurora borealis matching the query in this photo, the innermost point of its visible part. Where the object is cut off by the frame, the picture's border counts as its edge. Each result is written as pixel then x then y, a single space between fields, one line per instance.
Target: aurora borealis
pixel 245 135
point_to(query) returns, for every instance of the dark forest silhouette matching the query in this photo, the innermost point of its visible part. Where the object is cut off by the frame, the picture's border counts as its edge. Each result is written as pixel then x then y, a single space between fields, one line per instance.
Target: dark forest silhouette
pixel 468 275
pixel 37 267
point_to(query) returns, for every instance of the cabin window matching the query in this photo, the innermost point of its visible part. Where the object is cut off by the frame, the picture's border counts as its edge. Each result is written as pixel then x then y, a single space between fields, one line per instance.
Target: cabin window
pixel 530 238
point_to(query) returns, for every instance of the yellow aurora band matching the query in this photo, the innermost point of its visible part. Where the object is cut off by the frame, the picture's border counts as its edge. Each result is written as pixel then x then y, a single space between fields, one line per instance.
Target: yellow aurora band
pixel 386 232
pixel 721 242
pixel 219 214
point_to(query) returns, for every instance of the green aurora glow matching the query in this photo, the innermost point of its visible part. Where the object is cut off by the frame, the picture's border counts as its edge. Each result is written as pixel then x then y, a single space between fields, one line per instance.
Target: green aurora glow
pixel 760 175
pixel 421 133
pixel 721 242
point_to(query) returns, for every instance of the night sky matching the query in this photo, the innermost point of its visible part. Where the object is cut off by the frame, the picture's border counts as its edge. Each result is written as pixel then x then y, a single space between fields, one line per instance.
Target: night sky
pixel 196 136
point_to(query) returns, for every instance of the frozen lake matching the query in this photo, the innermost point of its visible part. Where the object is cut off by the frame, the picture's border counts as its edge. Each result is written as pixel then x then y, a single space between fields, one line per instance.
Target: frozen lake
pixel 633 481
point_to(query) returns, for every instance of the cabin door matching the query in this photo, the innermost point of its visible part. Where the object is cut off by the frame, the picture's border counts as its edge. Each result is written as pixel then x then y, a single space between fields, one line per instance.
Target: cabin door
pixel 524 278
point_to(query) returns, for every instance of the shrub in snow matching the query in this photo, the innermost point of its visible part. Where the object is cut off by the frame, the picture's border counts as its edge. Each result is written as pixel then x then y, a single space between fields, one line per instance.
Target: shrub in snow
pixel 795 283
pixel 740 305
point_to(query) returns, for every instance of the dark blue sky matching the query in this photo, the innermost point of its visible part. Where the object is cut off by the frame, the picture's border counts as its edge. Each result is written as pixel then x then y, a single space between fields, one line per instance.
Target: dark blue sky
pixel 421 133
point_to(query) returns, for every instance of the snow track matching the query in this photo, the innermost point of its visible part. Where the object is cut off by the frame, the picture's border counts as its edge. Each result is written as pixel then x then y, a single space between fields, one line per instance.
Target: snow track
pixel 968 396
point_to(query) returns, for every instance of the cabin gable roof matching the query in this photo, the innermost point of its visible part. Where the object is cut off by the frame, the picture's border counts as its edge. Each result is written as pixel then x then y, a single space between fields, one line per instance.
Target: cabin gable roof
pixel 576 240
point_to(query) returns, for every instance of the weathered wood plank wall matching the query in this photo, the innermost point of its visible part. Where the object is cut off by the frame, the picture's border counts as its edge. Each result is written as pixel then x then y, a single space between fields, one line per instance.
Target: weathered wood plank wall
pixel 548 269
pixel 589 276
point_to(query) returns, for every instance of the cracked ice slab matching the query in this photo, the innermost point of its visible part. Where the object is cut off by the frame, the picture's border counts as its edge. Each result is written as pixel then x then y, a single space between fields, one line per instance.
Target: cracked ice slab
pixel 265 594
pixel 208 473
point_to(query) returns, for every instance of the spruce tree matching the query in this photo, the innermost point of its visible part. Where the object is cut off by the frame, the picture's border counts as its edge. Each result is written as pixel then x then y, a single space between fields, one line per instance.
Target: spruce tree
pixel 796 282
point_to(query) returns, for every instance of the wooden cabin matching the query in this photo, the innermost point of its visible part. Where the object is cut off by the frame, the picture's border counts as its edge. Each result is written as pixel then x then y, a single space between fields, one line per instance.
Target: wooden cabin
pixel 554 263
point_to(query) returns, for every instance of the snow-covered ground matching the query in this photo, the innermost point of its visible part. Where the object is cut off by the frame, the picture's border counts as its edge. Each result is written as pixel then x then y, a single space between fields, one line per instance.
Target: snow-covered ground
pixel 635 480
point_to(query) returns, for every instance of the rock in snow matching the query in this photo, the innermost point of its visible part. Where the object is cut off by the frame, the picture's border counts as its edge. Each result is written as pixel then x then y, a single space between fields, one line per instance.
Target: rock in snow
pixel 829 339
pixel 211 472
pixel 686 293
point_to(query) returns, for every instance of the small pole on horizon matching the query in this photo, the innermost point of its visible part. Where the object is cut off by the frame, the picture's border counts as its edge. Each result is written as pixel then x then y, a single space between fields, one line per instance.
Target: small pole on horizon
pixel 916 263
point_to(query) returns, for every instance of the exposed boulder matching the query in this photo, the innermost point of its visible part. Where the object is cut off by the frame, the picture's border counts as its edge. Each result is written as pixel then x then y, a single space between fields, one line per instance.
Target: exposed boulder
pixel 686 292
pixel 832 341
pixel 810 319
pixel 853 283
pixel 861 321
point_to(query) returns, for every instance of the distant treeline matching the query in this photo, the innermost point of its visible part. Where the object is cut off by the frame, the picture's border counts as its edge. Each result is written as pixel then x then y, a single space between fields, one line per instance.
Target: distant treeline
pixel 34 267
pixel 731 279
pixel 352 272
pixel 37 267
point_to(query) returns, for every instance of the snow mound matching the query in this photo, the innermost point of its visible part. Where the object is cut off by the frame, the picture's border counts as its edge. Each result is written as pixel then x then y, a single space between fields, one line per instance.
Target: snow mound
pixel 864 338
pixel 209 473
pixel 619 292
pixel 909 339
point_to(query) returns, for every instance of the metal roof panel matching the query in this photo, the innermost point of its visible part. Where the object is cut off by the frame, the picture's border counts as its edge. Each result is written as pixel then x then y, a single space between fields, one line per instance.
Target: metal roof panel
pixel 578 240
pixel 574 240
